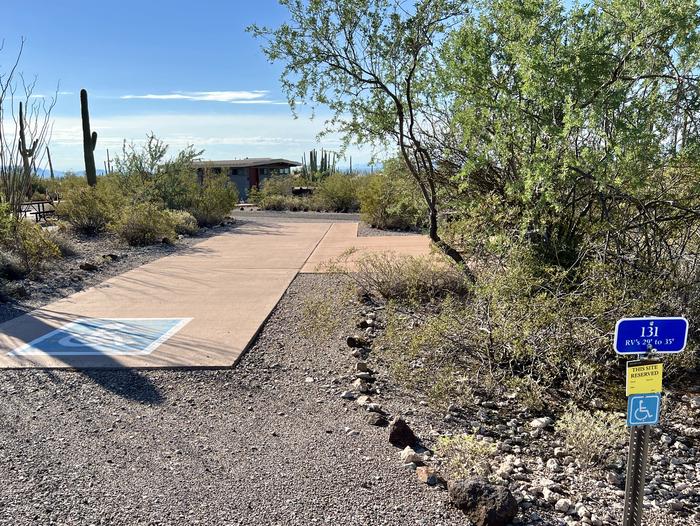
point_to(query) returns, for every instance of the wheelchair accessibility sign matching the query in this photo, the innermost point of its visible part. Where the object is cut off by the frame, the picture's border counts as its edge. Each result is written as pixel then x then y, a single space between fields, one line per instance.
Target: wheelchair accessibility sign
pixel 643 410
pixel 104 336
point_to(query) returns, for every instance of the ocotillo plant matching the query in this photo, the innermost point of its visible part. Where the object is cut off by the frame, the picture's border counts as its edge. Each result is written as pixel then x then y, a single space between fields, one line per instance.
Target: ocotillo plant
pixel 89 140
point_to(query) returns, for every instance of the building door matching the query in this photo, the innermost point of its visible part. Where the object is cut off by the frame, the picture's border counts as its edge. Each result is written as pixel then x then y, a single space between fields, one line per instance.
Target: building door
pixel 253 178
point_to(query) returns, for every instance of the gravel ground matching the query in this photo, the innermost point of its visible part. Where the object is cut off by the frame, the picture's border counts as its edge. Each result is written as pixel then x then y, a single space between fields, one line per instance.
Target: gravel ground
pixel 258 444
pixel 271 441
pixel 64 276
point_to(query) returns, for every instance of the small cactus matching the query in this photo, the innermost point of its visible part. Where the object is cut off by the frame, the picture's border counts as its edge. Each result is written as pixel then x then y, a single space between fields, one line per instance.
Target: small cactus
pixel 89 140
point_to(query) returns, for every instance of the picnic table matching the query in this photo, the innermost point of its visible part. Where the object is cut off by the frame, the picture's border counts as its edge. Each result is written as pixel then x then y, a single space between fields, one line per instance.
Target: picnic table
pixel 38 209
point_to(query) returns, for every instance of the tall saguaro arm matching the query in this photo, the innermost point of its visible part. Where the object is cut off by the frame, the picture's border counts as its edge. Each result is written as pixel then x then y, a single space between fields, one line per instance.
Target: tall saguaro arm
pixel 24 151
pixel 89 140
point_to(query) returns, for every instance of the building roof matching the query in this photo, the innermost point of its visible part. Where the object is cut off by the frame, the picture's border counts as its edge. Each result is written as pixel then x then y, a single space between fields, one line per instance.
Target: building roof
pixel 245 163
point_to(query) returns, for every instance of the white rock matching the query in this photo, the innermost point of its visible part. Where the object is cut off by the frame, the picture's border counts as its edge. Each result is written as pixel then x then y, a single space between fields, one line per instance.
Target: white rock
pixel 582 511
pixel 562 505
pixel 552 464
pixel 505 470
pixel 541 423
pixel 550 496
pixel 364 400
pixel 361 386
pixel 597 403
pixel 408 455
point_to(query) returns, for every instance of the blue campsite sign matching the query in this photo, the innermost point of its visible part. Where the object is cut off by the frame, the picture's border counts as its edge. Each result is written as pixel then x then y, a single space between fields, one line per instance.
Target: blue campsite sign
pixel 642 335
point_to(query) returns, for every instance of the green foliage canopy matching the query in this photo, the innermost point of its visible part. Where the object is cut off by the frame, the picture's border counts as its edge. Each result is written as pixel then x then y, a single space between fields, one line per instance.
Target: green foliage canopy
pixel 583 123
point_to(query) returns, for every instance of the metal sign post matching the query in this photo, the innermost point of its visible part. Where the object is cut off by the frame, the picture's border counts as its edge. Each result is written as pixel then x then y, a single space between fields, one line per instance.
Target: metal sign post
pixel 636 471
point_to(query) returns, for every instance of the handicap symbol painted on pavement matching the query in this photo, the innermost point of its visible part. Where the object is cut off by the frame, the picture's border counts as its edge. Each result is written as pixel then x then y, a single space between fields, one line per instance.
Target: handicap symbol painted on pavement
pixel 104 336
pixel 643 409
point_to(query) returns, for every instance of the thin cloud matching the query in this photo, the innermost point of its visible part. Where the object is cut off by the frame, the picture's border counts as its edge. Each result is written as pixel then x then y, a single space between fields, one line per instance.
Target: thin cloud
pixel 234 97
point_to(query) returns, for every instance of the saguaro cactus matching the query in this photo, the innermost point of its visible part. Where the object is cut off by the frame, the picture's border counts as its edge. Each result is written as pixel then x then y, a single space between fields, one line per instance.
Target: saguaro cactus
pixel 89 140
pixel 26 152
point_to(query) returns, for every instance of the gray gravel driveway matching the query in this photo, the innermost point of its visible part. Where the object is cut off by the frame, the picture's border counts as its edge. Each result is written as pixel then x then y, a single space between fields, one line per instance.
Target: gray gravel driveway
pixel 258 444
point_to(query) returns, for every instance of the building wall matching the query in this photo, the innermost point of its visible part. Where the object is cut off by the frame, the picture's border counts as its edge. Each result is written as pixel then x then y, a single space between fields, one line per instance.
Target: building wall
pixel 246 178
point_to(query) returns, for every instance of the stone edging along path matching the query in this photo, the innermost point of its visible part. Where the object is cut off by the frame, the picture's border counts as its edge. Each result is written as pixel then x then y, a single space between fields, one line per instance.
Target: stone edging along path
pixel 201 307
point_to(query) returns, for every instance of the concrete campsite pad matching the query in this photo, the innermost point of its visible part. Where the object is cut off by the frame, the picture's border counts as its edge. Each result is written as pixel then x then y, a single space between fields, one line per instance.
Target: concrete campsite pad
pixel 343 248
pixel 200 307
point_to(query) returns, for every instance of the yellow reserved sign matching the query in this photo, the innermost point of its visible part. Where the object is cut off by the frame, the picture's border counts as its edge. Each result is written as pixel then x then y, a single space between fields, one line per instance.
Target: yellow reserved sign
pixel 644 378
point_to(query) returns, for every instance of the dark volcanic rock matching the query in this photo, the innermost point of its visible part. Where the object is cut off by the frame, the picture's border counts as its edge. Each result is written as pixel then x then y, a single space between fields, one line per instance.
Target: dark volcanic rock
pixel 89 267
pixel 357 342
pixel 400 435
pixel 377 419
pixel 482 503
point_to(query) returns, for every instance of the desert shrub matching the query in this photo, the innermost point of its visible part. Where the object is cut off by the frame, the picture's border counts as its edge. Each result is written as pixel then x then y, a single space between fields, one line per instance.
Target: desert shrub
pixel 337 193
pixel 213 200
pixel 59 237
pixel 64 186
pixel 276 194
pixel 465 456
pixel 291 203
pixel 87 211
pixel 183 222
pixel 281 202
pixel 320 314
pixel 390 200
pixel 424 352
pixel 529 392
pixel 524 327
pixel 145 174
pixel 254 196
pixel 409 278
pixel 279 185
pixel 6 222
pixel 32 245
pixel 144 224
pixel 593 437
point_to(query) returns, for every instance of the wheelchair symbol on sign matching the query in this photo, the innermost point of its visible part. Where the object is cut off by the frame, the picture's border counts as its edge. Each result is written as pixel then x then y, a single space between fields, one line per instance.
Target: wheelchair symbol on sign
pixel 642 414
pixel 643 410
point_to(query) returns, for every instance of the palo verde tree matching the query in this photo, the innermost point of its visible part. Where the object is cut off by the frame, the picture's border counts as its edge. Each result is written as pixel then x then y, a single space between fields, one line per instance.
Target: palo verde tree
pixel 579 128
pixel 369 62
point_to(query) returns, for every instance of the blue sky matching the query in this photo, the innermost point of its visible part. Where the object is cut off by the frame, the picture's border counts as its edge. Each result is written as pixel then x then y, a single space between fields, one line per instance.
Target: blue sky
pixel 187 71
